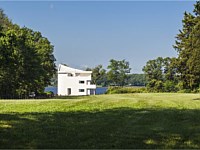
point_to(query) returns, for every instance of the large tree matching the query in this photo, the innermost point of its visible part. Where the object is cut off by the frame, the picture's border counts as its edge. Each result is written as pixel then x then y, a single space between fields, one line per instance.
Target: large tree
pixel 187 46
pixel 118 71
pixel 153 69
pixel 27 60
pixel 98 75
pixel 161 74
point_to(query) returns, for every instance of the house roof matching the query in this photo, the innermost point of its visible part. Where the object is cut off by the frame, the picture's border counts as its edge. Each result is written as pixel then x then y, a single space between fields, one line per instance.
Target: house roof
pixel 66 69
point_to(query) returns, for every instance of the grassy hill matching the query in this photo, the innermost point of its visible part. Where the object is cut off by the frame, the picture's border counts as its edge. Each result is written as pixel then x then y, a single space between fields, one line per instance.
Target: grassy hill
pixel 103 121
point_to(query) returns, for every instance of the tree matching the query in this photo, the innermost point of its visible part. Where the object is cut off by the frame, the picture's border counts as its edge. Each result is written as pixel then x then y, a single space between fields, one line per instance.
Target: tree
pixel 187 46
pixel 118 71
pixel 153 69
pixel 4 21
pixel 136 79
pixel 193 61
pixel 154 74
pixel 27 61
pixel 98 75
pixel 161 74
pixel 170 69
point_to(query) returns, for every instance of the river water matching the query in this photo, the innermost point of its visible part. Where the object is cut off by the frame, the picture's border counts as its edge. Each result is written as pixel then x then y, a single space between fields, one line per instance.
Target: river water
pixel 99 90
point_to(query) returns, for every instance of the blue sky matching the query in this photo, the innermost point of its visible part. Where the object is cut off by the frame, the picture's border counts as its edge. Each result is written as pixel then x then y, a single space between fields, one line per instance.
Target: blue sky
pixel 88 33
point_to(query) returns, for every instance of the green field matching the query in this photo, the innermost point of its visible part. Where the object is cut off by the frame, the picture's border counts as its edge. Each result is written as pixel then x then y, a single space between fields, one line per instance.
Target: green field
pixel 104 121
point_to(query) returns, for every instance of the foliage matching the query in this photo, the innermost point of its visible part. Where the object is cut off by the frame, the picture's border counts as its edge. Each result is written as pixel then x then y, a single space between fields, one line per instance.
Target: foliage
pixel 117 121
pixel 118 71
pixel 123 90
pixel 118 74
pixel 169 86
pixel 27 61
pixel 136 80
pixel 182 73
pixel 161 75
pixel 54 80
pixel 4 21
pixel 99 75
pixel 187 46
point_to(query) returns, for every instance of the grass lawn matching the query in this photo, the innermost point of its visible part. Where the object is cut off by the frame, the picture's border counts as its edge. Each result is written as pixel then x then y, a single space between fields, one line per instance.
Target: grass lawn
pixel 103 121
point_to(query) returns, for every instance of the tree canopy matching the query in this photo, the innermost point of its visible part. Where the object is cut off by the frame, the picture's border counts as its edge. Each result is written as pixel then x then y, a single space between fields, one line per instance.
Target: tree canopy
pixel 118 71
pixel 183 72
pixel 161 74
pixel 27 60
pixel 188 48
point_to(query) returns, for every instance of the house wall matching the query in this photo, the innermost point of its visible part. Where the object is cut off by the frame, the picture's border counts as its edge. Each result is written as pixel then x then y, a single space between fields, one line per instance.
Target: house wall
pixel 66 82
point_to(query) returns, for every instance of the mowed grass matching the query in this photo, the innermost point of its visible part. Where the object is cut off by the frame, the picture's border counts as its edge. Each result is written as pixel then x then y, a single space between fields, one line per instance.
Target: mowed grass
pixel 105 121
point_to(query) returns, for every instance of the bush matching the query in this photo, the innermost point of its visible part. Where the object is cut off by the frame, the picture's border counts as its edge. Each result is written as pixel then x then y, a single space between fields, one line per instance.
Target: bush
pixel 159 86
pixel 155 86
pixel 170 86
pixel 44 95
pixel 122 90
pixel 184 91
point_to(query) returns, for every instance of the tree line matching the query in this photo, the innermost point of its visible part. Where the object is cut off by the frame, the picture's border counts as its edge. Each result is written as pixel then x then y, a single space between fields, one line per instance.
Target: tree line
pixel 181 73
pixel 117 74
pixel 28 64
pixel 27 60
pixel 175 74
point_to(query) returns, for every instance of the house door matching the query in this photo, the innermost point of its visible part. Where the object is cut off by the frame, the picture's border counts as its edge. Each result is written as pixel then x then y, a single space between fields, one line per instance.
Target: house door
pixel 69 91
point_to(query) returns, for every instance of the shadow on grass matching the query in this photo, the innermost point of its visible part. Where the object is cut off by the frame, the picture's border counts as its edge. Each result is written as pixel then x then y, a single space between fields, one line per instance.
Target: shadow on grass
pixel 115 128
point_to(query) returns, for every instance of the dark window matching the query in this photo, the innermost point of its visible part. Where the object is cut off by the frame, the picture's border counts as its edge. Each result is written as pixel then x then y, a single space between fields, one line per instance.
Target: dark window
pixel 81 82
pixel 81 90
pixel 70 75
pixel 69 91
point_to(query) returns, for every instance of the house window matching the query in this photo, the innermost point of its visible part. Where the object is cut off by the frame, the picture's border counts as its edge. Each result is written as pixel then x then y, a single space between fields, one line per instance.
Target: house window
pixel 70 75
pixel 77 74
pixel 81 90
pixel 81 82
pixel 88 82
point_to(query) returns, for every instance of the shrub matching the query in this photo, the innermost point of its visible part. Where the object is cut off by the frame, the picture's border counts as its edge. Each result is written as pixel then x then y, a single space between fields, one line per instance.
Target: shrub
pixel 159 86
pixel 170 86
pixel 44 95
pixel 155 86
pixel 122 90
pixel 184 91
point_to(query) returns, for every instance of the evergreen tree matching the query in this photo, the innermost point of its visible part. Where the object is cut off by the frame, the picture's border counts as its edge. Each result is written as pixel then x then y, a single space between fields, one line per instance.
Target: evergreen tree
pixel 187 46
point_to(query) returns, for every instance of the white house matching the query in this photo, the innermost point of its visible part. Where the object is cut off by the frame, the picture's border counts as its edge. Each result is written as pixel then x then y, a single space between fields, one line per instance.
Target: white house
pixel 74 82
